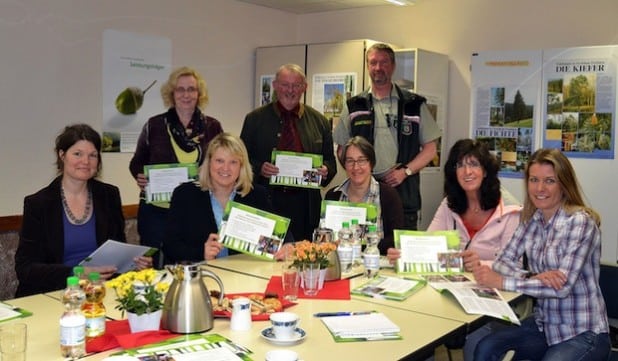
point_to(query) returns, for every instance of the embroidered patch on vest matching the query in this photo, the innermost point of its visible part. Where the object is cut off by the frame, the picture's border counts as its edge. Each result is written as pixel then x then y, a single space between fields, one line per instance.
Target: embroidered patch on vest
pixel 406 123
pixel 361 122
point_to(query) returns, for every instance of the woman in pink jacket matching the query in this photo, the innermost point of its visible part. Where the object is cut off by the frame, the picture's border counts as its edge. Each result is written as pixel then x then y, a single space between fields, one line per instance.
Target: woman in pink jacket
pixel 475 205
pixel 484 214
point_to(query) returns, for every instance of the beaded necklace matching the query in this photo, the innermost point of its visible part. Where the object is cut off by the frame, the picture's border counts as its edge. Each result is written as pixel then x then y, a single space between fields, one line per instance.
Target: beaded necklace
pixel 70 215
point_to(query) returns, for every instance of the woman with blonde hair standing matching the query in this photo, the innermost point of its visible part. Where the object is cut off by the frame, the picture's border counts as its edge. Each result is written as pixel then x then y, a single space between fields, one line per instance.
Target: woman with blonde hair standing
pixel 177 136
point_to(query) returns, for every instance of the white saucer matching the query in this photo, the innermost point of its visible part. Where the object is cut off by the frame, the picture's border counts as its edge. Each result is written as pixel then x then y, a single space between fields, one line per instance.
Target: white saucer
pixel 268 335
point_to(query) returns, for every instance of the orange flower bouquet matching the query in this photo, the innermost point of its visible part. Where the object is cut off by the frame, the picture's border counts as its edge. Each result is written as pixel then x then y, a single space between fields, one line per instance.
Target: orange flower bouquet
pixel 309 252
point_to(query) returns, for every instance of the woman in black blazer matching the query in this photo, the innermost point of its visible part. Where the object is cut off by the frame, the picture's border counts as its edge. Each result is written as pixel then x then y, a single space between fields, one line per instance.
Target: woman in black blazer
pixel 67 220
pixel 196 209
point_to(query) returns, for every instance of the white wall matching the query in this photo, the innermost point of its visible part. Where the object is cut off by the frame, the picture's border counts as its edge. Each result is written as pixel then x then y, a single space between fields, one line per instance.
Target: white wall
pixel 50 67
pixel 50 73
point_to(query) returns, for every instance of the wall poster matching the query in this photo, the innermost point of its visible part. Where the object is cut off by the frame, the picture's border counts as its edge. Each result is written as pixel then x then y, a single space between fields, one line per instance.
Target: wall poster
pixel 580 90
pixel 267 88
pixel 505 105
pixel 134 68
pixel 330 91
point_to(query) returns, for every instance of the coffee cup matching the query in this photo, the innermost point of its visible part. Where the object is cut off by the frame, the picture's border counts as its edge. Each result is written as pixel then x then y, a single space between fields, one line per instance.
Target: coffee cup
pixel 281 355
pixel 284 324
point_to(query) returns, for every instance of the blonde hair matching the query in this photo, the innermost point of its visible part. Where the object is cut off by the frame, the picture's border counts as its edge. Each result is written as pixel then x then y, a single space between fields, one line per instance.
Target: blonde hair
pixel 236 147
pixel 572 199
pixel 167 89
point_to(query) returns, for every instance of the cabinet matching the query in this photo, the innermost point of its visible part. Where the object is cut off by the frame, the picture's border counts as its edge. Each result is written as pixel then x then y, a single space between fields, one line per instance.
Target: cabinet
pixel 426 73
pixel 319 58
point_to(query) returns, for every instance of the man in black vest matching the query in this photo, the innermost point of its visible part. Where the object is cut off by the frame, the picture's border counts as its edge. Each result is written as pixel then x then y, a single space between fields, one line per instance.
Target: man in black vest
pixel 398 124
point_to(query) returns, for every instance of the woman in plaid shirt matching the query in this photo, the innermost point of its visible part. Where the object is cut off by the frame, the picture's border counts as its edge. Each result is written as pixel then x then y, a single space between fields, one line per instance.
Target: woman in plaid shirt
pixel 561 238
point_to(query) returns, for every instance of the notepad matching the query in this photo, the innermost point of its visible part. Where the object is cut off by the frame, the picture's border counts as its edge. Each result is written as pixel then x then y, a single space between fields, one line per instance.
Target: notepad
pixel 117 254
pixel 370 327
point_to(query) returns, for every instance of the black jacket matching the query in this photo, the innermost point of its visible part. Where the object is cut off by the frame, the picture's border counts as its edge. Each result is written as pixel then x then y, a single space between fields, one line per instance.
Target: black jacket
pixel 40 254
pixel 191 219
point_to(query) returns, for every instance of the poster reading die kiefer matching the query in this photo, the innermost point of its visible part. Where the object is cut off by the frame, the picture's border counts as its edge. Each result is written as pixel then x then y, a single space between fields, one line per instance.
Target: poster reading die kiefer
pixel 134 68
pixel 580 91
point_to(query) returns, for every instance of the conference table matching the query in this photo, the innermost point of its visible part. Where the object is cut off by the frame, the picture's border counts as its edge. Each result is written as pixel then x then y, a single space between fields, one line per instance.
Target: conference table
pixel 426 300
pixel 421 332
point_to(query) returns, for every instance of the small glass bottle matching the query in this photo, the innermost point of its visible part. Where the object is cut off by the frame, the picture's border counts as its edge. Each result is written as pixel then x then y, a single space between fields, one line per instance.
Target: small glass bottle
pixel 93 309
pixel 356 241
pixel 72 321
pixel 344 248
pixel 371 257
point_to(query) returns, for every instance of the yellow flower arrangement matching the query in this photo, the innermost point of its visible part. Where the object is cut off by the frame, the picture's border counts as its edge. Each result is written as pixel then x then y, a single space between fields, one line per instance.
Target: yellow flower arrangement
pixel 139 292
pixel 309 252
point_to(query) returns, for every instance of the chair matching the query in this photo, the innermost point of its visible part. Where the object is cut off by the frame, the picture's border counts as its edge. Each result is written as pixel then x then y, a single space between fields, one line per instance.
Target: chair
pixel 607 279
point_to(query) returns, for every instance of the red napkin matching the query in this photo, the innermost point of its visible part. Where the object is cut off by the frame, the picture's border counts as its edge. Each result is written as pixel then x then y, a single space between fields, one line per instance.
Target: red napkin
pixel 332 290
pixel 118 334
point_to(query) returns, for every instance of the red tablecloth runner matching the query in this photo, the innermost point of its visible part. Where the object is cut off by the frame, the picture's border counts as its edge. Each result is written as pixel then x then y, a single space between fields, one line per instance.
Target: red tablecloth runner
pixel 118 334
pixel 333 290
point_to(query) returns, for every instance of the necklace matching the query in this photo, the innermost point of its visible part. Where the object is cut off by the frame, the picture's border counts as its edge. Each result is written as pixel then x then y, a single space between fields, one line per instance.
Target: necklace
pixel 87 210
pixel 476 210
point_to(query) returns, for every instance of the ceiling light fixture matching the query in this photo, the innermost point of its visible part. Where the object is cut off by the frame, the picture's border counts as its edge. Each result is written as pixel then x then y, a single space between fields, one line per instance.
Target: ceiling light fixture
pixel 401 2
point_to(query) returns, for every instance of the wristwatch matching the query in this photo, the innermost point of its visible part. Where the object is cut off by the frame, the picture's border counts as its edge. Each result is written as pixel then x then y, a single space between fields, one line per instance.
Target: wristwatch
pixel 408 171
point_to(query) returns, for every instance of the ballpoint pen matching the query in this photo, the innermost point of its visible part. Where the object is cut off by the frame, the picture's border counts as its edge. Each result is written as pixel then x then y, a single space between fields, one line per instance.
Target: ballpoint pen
pixel 341 313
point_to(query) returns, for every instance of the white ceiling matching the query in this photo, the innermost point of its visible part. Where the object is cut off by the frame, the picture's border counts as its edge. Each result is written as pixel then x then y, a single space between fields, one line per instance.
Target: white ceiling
pixel 317 6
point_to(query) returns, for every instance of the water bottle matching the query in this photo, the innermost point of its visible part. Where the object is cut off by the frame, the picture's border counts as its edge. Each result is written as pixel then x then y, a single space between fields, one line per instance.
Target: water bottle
pixel 344 249
pixel 356 240
pixel 93 309
pixel 72 321
pixel 78 271
pixel 371 257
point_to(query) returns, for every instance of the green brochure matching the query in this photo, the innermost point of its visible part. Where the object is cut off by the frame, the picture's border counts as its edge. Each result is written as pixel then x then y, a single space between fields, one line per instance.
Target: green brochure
pixel 333 213
pixel 428 252
pixel 391 288
pixel 9 312
pixel 370 326
pixel 164 178
pixel 296 169
pixel 195 347
pixel 252 231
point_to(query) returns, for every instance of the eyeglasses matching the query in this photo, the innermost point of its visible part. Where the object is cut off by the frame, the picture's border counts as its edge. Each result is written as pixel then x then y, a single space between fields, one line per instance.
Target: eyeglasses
pixel 181 90
pixel 468 164
pixel 350 163
pixel 294 86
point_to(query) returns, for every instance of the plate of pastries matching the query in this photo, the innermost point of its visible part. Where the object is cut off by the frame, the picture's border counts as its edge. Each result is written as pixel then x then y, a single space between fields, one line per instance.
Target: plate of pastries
pixel 262 304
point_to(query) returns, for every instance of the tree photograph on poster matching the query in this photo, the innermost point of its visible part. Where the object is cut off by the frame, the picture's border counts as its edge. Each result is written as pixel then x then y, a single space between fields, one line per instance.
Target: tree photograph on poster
pixel 580 95
pixel 571 115
pixel 511 120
